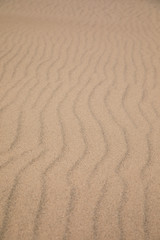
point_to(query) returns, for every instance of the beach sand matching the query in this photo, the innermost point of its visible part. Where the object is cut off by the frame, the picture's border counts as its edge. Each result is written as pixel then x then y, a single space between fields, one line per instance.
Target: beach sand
pixel 80 120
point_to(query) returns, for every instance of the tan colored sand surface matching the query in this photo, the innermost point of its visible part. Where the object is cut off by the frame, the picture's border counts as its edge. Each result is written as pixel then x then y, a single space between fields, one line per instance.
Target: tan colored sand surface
pixel 79 120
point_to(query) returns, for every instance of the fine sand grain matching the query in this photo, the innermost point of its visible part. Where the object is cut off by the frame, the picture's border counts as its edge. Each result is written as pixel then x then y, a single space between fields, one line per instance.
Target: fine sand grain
pixel 79 120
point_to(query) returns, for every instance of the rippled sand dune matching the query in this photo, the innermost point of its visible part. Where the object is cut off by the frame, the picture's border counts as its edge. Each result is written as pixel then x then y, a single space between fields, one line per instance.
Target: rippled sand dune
pixel 79 120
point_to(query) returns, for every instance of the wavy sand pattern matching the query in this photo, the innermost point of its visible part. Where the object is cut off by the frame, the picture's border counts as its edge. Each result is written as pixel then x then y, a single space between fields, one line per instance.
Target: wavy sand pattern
pixel 80 120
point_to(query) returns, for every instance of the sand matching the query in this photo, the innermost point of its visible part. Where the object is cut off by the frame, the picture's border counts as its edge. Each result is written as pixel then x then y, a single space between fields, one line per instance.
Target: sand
pixel 79 120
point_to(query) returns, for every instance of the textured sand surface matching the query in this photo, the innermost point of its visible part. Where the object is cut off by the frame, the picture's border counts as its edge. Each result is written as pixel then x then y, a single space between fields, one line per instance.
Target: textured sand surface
pixel 79 120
